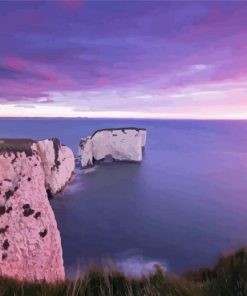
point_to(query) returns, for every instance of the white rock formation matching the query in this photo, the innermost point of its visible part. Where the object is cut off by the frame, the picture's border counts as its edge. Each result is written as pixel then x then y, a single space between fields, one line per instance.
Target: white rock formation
pixel 30 243
pixel 143 133
pixel 58 162
pixel 86 152
pixel 121 144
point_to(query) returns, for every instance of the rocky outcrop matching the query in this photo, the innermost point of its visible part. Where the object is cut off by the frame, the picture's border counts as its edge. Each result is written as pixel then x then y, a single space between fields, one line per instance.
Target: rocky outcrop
pixel 86 152
pixel 124 144
pixel 30 243
pixel 58 162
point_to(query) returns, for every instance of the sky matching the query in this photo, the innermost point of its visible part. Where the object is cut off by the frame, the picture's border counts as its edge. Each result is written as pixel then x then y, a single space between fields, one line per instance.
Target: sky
pixel 135 59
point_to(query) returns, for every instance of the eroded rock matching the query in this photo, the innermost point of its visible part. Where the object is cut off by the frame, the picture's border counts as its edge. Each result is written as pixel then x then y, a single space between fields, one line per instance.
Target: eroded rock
pixel 58 162
pixel 124 144
pixel 30 243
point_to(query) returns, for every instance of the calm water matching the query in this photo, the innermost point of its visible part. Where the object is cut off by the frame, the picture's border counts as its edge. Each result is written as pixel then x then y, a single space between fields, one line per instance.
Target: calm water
pixel 182 206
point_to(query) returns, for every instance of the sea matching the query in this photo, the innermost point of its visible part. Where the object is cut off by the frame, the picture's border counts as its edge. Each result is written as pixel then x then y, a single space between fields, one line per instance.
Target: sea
pixel 181 207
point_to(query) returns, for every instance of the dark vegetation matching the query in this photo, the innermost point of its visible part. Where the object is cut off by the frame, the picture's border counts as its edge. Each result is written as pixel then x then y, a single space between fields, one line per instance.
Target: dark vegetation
pixel 16 145
pixel 227 278
pixel 56 146
pixel 116 129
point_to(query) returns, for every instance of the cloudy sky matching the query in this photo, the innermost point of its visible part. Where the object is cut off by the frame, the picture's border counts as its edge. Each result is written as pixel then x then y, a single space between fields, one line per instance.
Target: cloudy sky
pixel 123 59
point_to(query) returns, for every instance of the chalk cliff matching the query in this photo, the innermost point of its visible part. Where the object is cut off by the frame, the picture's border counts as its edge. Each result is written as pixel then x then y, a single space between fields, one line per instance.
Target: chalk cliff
pixel 30 243
pixel 86 152
pixel 120 143
pixel 58 162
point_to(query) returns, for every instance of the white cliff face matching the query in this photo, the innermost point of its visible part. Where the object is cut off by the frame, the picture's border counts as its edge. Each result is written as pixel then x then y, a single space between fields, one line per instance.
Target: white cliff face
pixel 122 144
pixel 86 145
pixel 58 162
pixel 30 243
pixel 143 137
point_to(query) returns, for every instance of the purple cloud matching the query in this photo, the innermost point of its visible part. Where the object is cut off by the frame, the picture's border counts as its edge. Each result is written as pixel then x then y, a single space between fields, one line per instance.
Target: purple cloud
pixel 147 49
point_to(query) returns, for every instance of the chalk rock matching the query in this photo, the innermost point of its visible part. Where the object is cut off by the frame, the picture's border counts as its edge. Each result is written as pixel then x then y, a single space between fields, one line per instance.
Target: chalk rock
pixel 86 145
pixel 30 243
pixel 58 162
pixel 143 133
pixel 125 144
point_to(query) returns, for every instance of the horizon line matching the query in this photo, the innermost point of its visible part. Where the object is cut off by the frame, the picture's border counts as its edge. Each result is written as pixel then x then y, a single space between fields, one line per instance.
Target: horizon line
pixel 130 118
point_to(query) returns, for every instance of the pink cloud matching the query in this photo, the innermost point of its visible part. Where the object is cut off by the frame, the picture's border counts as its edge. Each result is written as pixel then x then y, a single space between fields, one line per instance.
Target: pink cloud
pixel 49 75
pixel 16 91
pixel 33 82
pixel 30 71
pixel 102 81
pixel 15 63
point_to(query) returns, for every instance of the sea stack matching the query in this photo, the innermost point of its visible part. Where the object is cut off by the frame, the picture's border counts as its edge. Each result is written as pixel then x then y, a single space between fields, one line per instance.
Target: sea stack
pixel 58 163
pixel 30 243
pixel 123 144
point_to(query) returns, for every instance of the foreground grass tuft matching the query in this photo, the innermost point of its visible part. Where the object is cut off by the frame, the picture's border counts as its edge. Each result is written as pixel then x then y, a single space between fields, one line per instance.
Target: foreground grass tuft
pixel 227 278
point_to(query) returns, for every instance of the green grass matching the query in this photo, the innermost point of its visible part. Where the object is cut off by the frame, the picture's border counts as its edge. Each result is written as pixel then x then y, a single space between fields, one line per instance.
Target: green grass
pixel 227 278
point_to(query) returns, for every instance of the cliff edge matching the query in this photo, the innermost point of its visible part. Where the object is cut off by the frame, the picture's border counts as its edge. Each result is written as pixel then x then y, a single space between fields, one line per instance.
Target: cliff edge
pixel 30 243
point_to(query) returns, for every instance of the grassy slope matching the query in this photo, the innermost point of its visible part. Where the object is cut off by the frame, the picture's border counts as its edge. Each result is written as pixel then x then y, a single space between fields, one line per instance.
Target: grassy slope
pixel 16 145
pixel 227 278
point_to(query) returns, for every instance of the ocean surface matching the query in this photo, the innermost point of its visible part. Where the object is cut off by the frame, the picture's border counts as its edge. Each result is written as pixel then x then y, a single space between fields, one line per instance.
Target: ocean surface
pixel 182 206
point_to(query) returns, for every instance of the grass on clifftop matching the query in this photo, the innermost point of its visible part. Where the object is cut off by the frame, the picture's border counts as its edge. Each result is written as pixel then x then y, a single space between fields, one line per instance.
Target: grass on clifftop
pixel 227 278
pixel 16 145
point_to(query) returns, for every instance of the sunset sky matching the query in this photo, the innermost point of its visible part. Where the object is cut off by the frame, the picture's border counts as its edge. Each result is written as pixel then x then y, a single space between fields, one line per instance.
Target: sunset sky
pixel 123 59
